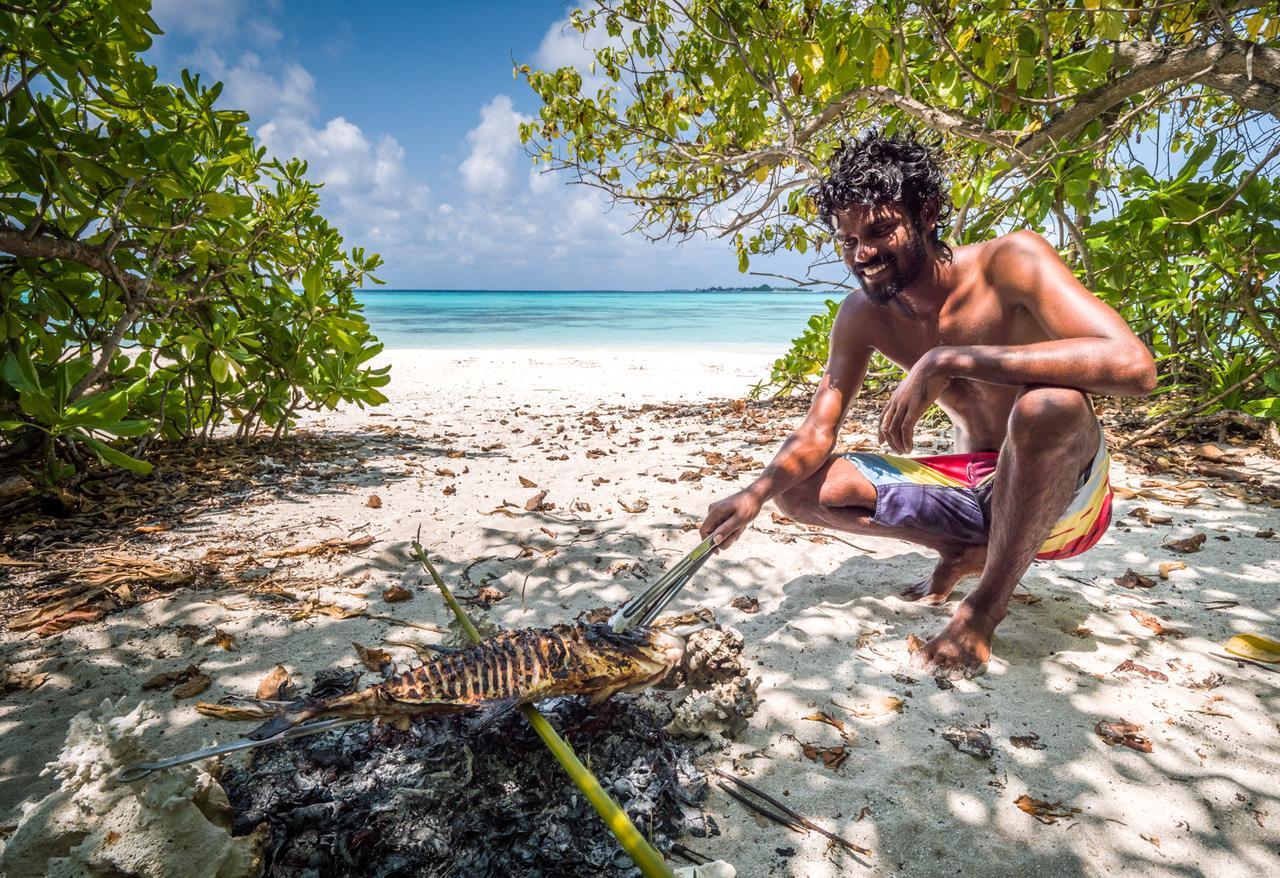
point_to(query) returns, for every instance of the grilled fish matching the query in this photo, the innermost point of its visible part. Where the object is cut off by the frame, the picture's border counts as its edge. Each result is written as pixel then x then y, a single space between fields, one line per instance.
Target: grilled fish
pixel 514 668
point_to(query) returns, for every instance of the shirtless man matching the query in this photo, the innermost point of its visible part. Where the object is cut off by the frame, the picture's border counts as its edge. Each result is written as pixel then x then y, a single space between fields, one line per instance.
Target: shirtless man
pixel 1003 337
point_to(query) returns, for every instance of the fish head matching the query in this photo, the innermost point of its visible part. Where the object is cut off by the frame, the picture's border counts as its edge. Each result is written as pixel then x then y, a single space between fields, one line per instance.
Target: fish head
pixel 684 624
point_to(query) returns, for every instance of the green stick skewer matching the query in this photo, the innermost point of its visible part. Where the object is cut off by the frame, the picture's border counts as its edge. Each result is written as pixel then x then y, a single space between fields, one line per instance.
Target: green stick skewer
pixel 648 859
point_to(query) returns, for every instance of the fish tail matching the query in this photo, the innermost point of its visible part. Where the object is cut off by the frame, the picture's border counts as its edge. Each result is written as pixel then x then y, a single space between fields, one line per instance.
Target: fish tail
pixel 352 704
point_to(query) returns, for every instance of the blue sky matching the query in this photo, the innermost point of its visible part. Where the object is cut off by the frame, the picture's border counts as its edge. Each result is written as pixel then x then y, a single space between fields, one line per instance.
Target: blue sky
pixel 407 112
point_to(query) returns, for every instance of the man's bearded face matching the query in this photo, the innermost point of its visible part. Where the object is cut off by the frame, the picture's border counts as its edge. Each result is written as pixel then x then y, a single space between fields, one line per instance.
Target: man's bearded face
pixel 882 248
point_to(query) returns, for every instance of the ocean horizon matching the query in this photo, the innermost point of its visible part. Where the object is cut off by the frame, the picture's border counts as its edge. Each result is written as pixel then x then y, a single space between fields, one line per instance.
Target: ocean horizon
pixel 708 319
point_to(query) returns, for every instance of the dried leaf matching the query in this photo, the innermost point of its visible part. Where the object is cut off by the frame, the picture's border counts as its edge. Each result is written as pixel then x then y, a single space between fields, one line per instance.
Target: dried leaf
pixel 581 506
pixel 824 717
pixel 449 490
pixel 224 639
pixel 1027 742
pixel 882 706
pixel 975 742
pixel 446 472
pixel 275 685
pixel 1188 545
pixel 1019 597
pixel 534 503
pixel 527 483
pixel 913 643
pixel 229 712
pixel 639 506
pixel 169 678
pixel 486 597
pixel 599 480
pixel 455 454
pixel 1135 580
pixel 151 528
pixel 1254 646
pixel 1122 733
pixel 1045 812
pixel 372 657
pixel 1146 517
pixel 746 604
pixel 328 548
pixel 831 757
pixel 1168 567
pixel 396 593
pixel 374 502
pixel 1209 452
pixel 1146 620
pixel 1128 666
pixel 70 620
pixel 193 687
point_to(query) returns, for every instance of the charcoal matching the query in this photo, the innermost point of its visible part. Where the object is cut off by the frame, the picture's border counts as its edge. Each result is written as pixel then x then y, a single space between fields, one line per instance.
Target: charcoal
pixel 458 796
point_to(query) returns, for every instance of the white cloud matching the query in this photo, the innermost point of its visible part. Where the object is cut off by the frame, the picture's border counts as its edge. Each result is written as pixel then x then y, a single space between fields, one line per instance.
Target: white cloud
pixel 213 21
pixel 494 146
pixel 264 93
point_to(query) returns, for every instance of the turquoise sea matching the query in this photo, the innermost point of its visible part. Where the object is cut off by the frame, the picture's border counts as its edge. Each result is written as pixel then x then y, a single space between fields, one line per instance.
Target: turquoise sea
pixel 590 319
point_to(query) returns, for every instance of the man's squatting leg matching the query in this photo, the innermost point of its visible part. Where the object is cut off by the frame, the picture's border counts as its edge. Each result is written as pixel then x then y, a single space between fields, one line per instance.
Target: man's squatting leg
pixel 840 497
pixel 1052 438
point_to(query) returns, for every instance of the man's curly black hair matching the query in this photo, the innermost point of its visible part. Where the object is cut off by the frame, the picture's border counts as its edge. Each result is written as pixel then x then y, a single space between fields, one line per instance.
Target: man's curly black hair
pixel 876 169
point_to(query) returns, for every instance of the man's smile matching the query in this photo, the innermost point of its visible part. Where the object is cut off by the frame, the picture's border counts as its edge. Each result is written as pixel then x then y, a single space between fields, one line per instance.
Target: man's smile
pixel 873 272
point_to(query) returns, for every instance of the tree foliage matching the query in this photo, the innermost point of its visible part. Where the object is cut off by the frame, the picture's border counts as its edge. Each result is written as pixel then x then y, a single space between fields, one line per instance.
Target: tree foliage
pixel 159 275
pixel 715 116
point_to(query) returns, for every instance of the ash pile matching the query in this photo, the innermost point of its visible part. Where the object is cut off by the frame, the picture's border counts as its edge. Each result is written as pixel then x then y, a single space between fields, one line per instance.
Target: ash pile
pixel 452 796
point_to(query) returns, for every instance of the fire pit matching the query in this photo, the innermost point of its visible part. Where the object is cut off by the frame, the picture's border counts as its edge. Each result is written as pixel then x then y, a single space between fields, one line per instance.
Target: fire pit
pixel 452 796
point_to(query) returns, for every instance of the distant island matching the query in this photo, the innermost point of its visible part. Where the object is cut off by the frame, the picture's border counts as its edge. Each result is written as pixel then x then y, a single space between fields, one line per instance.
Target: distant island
pixel 763 288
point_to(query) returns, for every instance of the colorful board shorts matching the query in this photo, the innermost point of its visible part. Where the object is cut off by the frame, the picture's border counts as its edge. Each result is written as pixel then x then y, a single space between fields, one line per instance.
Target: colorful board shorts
pixel 949 495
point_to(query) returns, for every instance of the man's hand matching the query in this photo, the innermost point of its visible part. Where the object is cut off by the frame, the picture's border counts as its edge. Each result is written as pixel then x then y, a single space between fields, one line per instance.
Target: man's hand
pixel 919 390
pixel 728 518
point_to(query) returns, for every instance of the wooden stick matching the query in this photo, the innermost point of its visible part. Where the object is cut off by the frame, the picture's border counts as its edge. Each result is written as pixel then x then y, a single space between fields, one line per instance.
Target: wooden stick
pixel 794 815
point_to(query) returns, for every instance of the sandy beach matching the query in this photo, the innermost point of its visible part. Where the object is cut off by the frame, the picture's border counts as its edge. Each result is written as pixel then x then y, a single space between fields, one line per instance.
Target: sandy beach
pixel 607 435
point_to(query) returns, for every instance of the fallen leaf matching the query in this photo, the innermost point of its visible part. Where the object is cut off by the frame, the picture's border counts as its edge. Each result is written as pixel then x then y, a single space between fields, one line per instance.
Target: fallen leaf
pixel 446 472
pixel 169 678
pixel 374 502
pixel 1027 742
pixel 151 528
pixel 11 681
pixel 328 548
pixel 1188 545
pixel 1122 733
pixel 1128 666
pixel 70 620
pixel 224 639
pixel 455 454
pixel 831 757
pixel 527 483
pixel 824 717
pixel 882 706
pixel 1146 620
pixel 1081 631
pixel 581 506
pixel 396 593
pixel 599 480
pixel 1212 681
pixel 1019 597
pixel 745 604
pixel 275 685
pixel 486 597
pixel 1045 812
pixel 1135 580
pixel 534 503
pixel 1265 534
pixel 372 657
pixel 1148 518
pixel 1209 452
pixel 639 506
pixel 229 712
pixel 913 643
pixel 1253 646
pixel 1168 567
pixel 193 687
pixel 975 742
pixel 449 490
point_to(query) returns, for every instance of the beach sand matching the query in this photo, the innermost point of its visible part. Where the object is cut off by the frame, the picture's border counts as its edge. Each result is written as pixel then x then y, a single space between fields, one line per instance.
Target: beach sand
pixel 603 432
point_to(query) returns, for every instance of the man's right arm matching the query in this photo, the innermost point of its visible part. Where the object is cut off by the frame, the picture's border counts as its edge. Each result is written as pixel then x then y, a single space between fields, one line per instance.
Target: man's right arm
pixel 809 445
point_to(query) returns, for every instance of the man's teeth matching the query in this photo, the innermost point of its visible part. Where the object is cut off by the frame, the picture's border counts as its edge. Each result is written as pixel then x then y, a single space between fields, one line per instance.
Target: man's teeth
pixel 872 272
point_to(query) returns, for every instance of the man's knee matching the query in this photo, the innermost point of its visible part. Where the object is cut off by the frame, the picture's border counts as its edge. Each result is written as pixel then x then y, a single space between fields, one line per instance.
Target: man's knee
pixel 796 502
pixel 1049 416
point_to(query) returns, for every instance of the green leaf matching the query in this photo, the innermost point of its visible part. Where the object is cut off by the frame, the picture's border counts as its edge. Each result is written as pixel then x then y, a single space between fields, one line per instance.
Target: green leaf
pixel 113 456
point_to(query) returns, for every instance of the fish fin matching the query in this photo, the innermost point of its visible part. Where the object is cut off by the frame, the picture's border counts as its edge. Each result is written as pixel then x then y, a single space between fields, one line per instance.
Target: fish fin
pixel 495 711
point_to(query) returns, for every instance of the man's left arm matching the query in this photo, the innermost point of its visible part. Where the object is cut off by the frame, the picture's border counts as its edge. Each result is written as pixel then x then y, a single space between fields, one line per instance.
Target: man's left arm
pixel 1091 348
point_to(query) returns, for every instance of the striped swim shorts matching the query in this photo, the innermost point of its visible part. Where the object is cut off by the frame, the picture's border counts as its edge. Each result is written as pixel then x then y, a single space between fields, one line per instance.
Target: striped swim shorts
pixel 949 495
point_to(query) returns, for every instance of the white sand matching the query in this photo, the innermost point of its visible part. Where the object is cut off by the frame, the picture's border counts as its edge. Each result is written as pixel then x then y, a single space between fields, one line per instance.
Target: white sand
pixel 1206 800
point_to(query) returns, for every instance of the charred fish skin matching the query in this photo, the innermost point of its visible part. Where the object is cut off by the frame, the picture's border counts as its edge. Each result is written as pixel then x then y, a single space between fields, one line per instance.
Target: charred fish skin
pixel 520 667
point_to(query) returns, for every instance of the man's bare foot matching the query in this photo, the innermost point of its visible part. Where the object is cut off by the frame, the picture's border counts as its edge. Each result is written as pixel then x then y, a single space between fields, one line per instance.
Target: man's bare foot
pixel 961 650
pixel 953 566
